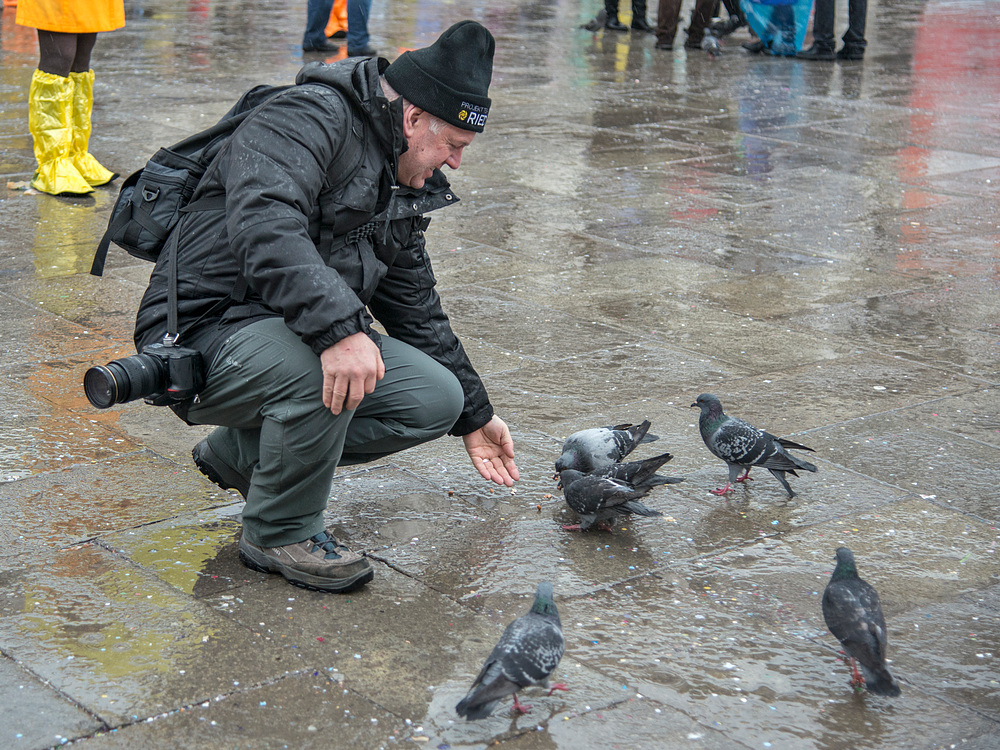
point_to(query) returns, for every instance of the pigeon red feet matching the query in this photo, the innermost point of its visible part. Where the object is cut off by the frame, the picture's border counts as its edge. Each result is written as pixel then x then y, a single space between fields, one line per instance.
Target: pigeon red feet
pixel 521 708
pixel 857 680
pixel 722 490
pixel 576 527
pixel 745 478
pixel 559 686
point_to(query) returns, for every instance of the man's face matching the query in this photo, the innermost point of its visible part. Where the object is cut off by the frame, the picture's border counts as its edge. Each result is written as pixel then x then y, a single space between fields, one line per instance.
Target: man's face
pixel 428 150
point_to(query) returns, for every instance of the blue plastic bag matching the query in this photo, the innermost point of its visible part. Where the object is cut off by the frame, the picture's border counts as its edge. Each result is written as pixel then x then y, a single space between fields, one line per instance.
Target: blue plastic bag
pixel 780 24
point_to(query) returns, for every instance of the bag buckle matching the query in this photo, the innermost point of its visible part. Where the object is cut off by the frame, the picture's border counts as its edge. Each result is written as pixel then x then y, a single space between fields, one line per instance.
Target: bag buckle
pixel 150 194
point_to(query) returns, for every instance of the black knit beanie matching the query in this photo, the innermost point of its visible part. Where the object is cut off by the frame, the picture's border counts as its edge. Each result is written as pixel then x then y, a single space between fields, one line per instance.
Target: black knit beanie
pixel 450 78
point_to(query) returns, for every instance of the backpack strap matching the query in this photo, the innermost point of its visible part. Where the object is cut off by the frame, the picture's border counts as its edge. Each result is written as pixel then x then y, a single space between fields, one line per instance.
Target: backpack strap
pixel 351 153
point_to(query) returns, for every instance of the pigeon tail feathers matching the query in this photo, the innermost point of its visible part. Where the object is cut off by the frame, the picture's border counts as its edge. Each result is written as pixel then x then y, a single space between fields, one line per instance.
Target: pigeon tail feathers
pixel 634 506
pixel 880 682
pixel 786 443
pixel 801 464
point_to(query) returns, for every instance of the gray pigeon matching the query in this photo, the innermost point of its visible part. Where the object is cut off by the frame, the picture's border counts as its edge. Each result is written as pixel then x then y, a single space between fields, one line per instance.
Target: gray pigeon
pixel 597 23
pixel 641 472
pixel 601 496
pixel 711 45
pixel 741 445
pixel 853 613
pixel 599 448
pixel 526 654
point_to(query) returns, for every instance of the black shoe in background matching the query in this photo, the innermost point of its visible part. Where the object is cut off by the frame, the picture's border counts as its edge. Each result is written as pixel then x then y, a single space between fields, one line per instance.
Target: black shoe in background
pixel 851 52
pixel 642 25
pixel 755 47
pixel 325 48
pixel 368 51
pixel 615 25
pixel 816 52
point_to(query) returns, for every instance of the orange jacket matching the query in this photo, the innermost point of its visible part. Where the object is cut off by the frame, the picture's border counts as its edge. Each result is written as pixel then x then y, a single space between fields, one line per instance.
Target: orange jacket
pixel 71 16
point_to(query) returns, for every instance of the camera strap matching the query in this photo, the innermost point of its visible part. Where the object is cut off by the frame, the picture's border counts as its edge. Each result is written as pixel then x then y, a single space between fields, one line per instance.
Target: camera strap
pixel 172 332
pixel 237 295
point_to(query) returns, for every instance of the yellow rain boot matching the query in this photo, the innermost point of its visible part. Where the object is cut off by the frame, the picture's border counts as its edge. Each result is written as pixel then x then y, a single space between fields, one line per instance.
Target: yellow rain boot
pixel 83 105
pixel 50 101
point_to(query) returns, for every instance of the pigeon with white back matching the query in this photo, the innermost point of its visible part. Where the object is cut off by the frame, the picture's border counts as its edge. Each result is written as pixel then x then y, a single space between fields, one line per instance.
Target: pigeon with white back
pixel 853 613
pixel 599 448
pixel 526 654
pixel 599 497
pixel 743 446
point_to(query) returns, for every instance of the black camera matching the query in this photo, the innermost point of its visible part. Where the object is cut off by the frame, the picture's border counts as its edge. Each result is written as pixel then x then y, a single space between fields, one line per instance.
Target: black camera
pixel 162 374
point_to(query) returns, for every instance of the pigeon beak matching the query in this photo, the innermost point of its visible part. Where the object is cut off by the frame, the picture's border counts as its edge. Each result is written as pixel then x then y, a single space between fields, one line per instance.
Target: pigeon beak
pixel 694 404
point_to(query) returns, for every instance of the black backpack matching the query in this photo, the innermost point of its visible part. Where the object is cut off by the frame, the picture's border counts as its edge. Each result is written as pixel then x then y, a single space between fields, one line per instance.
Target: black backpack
pixel 152 199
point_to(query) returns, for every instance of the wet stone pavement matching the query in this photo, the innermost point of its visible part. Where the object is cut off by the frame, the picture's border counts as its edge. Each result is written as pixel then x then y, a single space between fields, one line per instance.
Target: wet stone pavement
pixel 817 244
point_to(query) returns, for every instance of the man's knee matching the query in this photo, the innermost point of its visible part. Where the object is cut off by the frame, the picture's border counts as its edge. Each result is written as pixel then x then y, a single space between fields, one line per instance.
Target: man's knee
pixel 444 410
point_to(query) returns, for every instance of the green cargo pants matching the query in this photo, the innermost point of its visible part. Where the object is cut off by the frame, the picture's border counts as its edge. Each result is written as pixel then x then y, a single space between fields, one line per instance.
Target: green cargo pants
pixel 264 389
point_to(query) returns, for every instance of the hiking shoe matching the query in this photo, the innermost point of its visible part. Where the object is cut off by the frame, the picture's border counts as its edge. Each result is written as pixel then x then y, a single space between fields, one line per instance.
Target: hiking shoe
pixel 218 470
pixel 320 563
pixel 816 52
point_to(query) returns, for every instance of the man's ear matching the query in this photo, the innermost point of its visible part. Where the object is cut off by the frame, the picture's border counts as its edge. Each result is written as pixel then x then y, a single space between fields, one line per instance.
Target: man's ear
pixel 411 118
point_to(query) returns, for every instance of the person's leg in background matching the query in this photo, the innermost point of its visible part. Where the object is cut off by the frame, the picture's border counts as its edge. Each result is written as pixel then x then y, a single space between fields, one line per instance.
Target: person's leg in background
pixel 854 38
pixel 667 14
pixel 83 106
pixel 823 44
pixel 612 22
pixel 50 115
pixel 639 22
pixel 701 17
pixel 317 16
pixel 357 29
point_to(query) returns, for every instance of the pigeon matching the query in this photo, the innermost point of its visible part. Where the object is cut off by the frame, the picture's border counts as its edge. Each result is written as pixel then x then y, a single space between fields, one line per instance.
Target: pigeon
pixel 711 45
pixel 596 23
pixel 853 613
pixel 599 448
pixel 526 654
pixel 636 472
pixel 600 496
pixel 741 445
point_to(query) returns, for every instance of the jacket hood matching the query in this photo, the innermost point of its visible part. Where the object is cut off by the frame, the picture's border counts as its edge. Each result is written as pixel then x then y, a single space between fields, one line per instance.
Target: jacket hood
pixel 357 80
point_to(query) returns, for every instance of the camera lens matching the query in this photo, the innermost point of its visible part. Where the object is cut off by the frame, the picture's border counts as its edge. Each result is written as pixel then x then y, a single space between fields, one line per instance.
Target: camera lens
pixel 123 380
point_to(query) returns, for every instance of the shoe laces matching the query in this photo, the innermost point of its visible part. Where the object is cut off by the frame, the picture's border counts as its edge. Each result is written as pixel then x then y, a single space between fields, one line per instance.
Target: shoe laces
pixel 325 541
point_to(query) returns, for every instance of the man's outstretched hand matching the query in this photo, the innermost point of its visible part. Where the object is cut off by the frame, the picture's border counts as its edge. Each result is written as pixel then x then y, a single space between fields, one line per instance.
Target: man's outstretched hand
pixel 492 452
pixel 351 368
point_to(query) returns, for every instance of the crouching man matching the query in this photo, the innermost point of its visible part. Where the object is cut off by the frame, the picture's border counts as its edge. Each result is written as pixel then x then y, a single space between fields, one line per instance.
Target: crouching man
pixel 325 189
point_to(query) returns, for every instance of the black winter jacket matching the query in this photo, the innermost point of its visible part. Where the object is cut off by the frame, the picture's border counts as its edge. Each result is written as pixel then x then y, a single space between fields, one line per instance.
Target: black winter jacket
pixel 311 249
